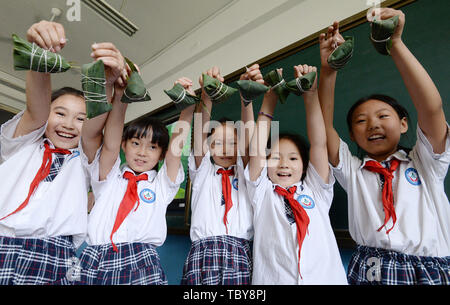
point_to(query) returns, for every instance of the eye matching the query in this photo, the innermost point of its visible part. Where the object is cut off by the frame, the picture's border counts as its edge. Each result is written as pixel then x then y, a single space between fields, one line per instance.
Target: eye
pixel 135 143
pixel 59 113
pixel 383 116
pixel 293 158
pixel 81 119
pixel 360 121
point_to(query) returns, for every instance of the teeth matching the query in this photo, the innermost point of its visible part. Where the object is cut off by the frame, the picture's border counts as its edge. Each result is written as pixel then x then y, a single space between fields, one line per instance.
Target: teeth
pixel 375 137
pixel 65 135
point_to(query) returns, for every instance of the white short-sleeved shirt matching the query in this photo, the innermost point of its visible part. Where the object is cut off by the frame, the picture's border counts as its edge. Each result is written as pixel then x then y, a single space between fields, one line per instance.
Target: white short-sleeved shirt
pixel 421 205
pixel 56 208
pixel 275 246
pixel 147 223
pixel 206 202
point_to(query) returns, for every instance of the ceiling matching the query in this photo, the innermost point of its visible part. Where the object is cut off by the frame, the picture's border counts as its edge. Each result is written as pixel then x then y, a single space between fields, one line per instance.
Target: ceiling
pixel 160 24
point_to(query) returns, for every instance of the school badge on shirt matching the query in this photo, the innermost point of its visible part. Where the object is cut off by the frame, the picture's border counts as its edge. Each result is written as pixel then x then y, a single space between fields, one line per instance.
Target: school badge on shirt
pixel 306 202
pixel 235 183
pixel 147 195
pixel 412 176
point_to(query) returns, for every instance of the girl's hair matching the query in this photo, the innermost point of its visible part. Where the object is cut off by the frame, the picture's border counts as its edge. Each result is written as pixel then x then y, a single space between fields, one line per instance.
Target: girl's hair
pixel 302 146
pixel 66 90
pixel 139 129
pixel 399 109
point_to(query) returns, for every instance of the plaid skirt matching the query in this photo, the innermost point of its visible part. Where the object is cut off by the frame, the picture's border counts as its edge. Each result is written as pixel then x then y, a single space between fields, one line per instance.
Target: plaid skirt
pixel 376 266
pixel 133 264
pixel 34 261
pixel 218 260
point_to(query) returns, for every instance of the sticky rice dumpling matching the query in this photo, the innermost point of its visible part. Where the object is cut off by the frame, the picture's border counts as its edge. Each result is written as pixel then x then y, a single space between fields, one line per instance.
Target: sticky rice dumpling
pixel 93 84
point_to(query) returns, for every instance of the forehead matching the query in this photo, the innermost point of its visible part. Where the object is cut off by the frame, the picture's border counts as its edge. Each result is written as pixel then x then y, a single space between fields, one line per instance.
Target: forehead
pixel 285 146
pixel 371 106
pixel 224 131
pixel 70 103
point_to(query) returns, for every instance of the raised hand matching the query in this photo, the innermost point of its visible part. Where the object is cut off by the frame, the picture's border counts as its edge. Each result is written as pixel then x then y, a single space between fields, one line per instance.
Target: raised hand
pixel 47 35
pixel 115 67
pixel 328 42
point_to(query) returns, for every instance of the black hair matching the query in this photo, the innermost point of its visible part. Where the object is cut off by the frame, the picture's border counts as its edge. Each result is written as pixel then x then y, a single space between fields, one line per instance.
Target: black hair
pixel 66 90
pixel 302 146
pixel 139 129
pixel 399 109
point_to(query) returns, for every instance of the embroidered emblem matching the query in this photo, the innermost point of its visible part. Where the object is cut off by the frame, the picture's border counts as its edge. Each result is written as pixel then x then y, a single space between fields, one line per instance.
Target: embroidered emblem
pixel 306 202
pixel 235 183
pixel 412 176
pixel 147 195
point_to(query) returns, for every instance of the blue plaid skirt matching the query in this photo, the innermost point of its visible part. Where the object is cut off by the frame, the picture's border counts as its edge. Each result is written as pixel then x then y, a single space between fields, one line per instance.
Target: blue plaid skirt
pixel 376 266
pixel 33 261
pixel 133 264
pixel 218 260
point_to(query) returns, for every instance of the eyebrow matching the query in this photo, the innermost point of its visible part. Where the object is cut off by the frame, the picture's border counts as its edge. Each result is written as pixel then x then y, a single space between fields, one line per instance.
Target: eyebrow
pixel 65 109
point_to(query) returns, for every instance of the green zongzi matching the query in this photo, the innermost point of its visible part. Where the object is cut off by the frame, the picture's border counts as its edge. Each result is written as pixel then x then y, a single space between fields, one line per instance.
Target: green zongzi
pixel 342 54
pixel 217 91
pixel 278 84
pixel 93 84
pixel 135 90
pixel 181 97
pixel 381 32
pixel 301 84
pixel 250 90
pixel 29 56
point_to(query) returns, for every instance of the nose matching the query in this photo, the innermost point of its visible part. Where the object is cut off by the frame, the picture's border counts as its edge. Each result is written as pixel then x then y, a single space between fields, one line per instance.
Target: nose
pixel 373 123
pixel 283 163
pixel 68 124
pixel 141 150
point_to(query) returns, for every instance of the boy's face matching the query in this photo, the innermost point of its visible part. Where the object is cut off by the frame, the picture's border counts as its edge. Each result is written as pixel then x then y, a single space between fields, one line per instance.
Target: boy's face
pixel 141 154
pixel 224 146
pixel 376 128
pixel 67 114
pixel 285 165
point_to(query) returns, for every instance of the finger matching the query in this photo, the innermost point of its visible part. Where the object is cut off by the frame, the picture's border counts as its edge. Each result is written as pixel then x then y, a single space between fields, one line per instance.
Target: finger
pixel 103 53
pixel 280 71
pixel 254 67
pixel 330 32
pixel 53 33
pixel 215 72
pixel 297 72
pixel 305 69
pixel 61 34
pixel 47 41
pixel 33 36
pixel 253 73
pixel 104 45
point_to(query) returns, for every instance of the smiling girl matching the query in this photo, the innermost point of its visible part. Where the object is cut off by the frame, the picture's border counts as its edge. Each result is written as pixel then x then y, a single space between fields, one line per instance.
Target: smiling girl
pixel 399 214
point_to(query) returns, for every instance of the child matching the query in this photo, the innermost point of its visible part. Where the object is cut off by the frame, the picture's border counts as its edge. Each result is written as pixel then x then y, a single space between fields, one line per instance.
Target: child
pixel 291 196
pixel 221 223
pixel 128 221
pixel 43 201
pixel 399 214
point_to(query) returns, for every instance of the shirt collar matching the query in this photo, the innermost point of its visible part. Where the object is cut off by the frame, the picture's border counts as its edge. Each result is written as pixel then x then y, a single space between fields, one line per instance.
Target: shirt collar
pixel 299 186
pixel 151 173
pixel 217 167
pixel 44 140
pixel 400 155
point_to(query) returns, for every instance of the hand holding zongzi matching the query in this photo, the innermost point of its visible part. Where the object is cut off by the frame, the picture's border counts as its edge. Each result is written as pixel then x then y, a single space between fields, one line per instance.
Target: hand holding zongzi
pixel 115 68
pixel 47 35
pixel 328 42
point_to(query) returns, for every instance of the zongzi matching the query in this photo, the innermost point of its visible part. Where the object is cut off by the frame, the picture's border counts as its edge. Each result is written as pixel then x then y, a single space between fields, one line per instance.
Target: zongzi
pixel 181 97
pixel 217 91
pixel 381 32
pixel 250 90
pixel 93 84
pixel 301 84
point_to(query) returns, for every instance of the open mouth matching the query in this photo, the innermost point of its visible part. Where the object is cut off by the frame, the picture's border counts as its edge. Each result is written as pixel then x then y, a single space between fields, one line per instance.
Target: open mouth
pixel 140 162
pixel 376 137
pixel 284 175
pixel 65 135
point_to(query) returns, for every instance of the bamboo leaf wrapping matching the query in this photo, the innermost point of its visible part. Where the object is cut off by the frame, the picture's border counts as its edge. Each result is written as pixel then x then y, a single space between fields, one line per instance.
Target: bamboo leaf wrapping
pixel 278 84
pixel 342 54
pixel 301 84
pixel 135 90
pixel 29 56
pixel 93 84
pixel 217 91
pixel 381 32
pixel 181 97
pixel 250 90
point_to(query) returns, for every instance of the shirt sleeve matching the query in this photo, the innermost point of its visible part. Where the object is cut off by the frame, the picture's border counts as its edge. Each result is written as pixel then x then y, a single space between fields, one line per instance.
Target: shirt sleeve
pixel 347 161
pixel 256 189
pixel 10 145
pixel 322 191
pixel 168 187
pixel 93 170
pixel 195 173
pixel 435 165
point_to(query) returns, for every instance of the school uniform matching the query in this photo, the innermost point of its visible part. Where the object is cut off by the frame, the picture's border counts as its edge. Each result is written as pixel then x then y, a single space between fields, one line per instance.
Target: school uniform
pixel 417 247
pixel 38 240
pixel 221 245
pixel 127 254
pixel 276 246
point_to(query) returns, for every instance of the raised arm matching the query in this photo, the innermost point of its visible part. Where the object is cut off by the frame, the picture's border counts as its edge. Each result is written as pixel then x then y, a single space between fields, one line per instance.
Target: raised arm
pixel 180 133
pixel 327 82
pixel 315 126
pixel 115 71
pixel 50 36
pixel 200 147
pixel 247 116
pixel 260 136
pixel 423 92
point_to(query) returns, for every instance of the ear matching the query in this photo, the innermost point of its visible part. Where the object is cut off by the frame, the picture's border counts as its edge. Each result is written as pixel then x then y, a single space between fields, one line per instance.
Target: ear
pixel 123 145
pixel 352 137
pixel 403 125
